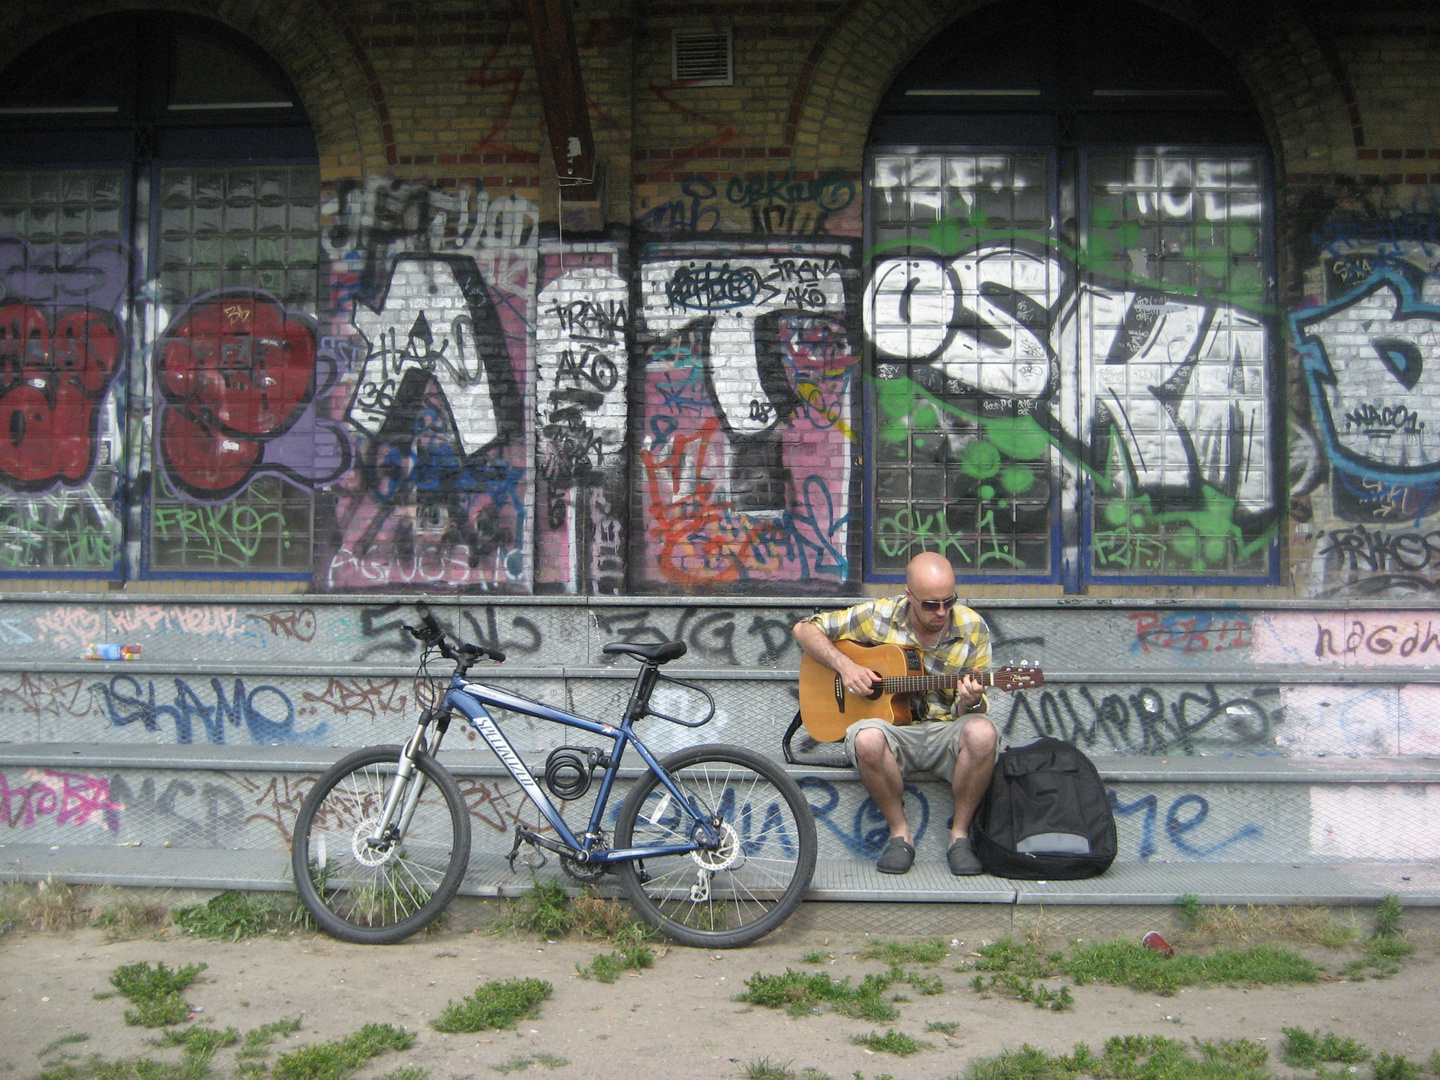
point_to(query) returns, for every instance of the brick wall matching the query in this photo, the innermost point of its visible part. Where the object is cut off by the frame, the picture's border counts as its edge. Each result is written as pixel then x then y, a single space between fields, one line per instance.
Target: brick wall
pixel 676 400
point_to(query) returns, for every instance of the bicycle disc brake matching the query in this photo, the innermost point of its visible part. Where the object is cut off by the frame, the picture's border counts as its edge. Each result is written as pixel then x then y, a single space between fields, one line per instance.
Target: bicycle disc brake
pixel 726 856
pixel 367 851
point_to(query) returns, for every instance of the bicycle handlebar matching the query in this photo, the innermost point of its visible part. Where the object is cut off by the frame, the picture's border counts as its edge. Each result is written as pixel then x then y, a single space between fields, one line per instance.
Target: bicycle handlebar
pixel 432 634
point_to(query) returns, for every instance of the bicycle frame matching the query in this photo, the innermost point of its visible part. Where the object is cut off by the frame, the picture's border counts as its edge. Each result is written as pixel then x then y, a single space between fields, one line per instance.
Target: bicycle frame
pixel 471 699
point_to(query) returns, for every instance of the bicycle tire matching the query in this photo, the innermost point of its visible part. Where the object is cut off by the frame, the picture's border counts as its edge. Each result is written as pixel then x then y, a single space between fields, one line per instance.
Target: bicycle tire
pixel 378 897
pixel 756 878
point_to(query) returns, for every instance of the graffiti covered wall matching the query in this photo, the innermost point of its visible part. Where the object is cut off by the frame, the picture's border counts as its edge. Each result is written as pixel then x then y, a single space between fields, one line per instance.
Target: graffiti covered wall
pixel 63 347
pixel 1365 455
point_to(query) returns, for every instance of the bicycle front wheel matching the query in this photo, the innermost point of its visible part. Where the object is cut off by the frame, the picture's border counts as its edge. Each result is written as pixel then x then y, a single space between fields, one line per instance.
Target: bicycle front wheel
pixel 746 887
pixel 376 892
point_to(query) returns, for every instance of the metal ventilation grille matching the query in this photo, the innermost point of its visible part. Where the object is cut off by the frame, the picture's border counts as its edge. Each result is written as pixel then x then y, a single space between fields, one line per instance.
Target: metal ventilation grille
pixel 702 57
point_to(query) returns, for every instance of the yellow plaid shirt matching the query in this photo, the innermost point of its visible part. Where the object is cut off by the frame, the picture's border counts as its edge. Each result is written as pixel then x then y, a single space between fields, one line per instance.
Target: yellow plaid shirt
pixel 965 643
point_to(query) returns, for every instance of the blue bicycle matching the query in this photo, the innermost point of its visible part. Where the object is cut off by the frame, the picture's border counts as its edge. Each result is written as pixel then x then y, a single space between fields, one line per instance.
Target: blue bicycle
pixel 714 845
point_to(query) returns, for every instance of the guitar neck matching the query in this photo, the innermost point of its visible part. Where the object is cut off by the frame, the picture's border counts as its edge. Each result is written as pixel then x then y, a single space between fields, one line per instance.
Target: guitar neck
pixel 920 684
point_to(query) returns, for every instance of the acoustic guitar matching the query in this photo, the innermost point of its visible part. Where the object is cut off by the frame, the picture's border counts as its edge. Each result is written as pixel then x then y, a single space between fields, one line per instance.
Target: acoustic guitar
pixel 827 708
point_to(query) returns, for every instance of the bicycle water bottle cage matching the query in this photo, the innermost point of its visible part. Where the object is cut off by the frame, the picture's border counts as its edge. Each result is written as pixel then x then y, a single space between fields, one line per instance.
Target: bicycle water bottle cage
pixel 660 653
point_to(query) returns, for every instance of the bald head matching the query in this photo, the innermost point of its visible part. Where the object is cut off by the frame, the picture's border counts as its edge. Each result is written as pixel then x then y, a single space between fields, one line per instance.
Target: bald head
pixel 930 574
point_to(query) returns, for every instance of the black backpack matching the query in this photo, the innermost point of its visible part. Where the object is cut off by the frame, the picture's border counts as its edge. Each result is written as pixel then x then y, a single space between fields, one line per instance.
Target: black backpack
pixel 1046 816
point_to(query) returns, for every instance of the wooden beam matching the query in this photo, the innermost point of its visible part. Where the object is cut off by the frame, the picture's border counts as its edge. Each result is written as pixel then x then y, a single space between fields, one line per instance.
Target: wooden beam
pixel 562 96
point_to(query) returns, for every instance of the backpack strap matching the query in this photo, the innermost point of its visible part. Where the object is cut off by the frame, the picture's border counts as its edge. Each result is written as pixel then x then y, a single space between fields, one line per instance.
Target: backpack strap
pixel 810 755
pixel 790 734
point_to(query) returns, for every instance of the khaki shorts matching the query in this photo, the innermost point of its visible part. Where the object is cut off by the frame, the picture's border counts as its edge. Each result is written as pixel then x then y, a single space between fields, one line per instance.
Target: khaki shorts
pixel 930 746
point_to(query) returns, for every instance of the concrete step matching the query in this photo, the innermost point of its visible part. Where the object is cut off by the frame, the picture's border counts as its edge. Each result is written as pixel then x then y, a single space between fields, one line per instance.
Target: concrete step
pixel 1229 830
pixel 1126 884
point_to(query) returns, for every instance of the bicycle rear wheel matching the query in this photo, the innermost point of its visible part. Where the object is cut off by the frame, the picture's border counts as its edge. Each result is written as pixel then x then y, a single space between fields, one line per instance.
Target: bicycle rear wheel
pixel 750 884
pixel 375 894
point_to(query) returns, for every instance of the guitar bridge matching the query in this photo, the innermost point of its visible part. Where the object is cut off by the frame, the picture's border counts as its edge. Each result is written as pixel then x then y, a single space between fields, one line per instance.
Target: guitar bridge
pixel 839 694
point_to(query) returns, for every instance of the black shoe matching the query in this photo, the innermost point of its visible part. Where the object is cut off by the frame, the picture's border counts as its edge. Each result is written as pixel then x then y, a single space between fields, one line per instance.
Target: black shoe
pixel 899 854
pixel 962 860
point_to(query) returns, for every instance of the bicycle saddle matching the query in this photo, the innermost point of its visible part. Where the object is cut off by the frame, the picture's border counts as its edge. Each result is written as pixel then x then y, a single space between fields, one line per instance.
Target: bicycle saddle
pixel 660 653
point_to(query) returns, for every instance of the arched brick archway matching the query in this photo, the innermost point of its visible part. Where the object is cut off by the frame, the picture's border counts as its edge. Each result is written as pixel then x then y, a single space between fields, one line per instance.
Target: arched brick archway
pixel 1297 87
pixel 310 39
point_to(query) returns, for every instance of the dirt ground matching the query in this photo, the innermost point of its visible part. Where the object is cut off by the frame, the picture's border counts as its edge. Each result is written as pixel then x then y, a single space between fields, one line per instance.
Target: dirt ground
pixel 677 1020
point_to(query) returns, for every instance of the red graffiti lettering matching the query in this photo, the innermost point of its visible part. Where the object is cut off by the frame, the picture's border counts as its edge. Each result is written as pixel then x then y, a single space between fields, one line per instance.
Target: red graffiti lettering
pixel 369 696
pixel 235 372
pixel 52 380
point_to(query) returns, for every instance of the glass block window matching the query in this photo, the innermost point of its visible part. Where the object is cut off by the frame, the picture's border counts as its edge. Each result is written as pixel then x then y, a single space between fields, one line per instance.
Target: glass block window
pixel 238 263
pixel 1174 364
pixel 63 285
pixel 240 226
pixel 1122 344
pixel 961 458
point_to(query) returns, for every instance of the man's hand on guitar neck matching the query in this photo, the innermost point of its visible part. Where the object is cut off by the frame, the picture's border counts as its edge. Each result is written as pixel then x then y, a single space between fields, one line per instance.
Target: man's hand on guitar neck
pixel 968 692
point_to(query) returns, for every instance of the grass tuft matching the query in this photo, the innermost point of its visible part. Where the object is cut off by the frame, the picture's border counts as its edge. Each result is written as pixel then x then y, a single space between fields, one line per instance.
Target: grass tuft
pixel 799 993
pixel 892 1042
pixel 545 911
pixel 199 1041
pixel 1305 1049
pixel 599 917
pixel 62 1042
pixel 125 916
pixel 1396 1067
pixel 634 955
pixel 765 1069
pixel 495 1004
pixel 339 1059
pixel 931 951
pixel 232 916
pixel 155 992
pixel 1128 963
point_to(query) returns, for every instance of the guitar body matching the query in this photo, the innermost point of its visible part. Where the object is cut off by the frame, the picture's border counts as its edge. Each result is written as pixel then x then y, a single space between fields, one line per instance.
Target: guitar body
pixel 827 708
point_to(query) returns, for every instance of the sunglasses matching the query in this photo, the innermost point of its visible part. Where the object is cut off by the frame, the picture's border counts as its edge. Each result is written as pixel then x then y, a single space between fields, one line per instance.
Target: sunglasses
pixel 937 605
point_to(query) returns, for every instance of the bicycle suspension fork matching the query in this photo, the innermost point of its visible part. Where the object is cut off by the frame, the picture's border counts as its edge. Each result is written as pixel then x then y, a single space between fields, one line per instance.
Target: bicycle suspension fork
pixel 409 782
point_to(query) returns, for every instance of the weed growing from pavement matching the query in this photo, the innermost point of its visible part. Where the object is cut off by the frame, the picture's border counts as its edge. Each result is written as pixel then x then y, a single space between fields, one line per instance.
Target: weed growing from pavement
pixel 496 1004
pixel 765 1069
pixel 199 1041
pixel 892 1042
pixel 600 917
pixel 234 916
pixel 339 1059
pixel 125 916
pixel 913 952
pixel 62 1042
pixel 1023 989
pixel 1307 1049
pixel 1247 925
pixel 799 993
pixel 634 955
pixel 47 907
pixel 545 911
pixel 1387 917
pixel 1396 1067
pixel 155 992
pixel 814 956
pixel 520 1064
pixel 1151 1057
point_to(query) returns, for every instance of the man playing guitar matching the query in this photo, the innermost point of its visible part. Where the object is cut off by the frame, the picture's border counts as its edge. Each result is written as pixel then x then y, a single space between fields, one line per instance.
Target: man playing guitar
pixel 951 736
